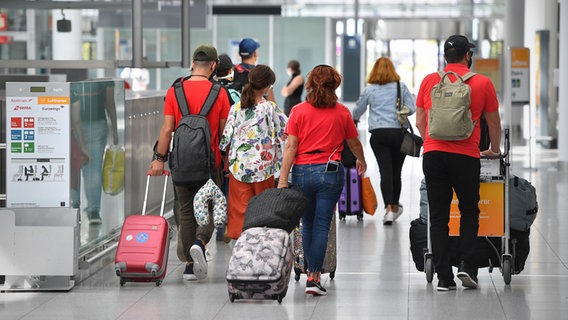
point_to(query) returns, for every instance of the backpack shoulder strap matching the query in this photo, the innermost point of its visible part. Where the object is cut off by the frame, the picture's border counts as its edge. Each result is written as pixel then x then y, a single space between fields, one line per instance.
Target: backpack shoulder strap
pixel 211 97
pixel 180 97
pixel 468 76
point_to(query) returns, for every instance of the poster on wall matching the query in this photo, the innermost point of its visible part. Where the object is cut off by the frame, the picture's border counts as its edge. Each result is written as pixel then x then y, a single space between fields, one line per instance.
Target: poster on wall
pixel 520 75
pixel 37 144
pixel 489 68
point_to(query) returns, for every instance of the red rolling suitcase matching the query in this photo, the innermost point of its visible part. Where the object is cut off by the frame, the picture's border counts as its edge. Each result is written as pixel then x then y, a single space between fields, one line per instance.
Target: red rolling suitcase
pixel 142 252
pixel 350 201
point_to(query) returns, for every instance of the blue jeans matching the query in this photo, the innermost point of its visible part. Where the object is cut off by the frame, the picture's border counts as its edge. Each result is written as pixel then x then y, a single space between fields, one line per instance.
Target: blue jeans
pixel 95 137
pixel 323 190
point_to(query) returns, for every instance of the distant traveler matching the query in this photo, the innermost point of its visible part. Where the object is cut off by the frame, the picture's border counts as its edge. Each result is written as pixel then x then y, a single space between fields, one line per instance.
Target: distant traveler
pixel 293 90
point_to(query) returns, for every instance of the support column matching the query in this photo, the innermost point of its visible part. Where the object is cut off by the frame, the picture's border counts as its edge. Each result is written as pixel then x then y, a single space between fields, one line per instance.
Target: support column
pixel 563 83
pixel 67 45
pixel 543 15
pixel 514 22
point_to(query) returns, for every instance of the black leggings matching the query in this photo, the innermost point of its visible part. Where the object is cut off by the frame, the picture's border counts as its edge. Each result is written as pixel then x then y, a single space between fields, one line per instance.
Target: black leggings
pixel 386 147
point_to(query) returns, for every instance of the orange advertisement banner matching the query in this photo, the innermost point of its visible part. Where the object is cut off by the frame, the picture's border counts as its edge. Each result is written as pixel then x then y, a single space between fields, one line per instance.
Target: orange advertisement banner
pixel 491 211
pixel 52 100
pixel 489 68
pixel 520 58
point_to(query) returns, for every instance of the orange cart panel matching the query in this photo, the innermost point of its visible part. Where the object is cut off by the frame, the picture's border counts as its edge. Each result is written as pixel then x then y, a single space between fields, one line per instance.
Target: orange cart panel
pixel 491 211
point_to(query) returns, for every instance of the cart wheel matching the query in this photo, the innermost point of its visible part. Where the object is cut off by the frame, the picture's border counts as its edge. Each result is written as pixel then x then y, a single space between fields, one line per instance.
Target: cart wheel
pixel 158 283
pixel 122 282
pixel 232 297
pixel 506 270
pixel 429 267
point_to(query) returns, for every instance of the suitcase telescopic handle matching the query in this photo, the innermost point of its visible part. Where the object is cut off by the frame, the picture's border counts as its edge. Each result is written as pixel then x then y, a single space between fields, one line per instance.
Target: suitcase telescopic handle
pixel 165 173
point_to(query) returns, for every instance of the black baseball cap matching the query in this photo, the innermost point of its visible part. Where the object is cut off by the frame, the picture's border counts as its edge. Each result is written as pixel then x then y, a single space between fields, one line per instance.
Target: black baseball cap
pixel 457 45
pixel 225 63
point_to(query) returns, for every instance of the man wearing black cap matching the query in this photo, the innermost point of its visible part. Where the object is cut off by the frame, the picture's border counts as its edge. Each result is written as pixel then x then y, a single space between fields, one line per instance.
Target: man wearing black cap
pixel 193 238
pixel 454 165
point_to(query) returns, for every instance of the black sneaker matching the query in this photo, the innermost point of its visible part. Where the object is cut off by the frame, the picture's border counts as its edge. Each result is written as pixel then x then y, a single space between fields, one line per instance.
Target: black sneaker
pixel 467 275
pixel 188 273
pixel 446 285
pixel 315 288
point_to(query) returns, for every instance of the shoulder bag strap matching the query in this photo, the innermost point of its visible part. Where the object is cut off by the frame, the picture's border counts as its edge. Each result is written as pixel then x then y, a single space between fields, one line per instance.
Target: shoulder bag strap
pixel 398 98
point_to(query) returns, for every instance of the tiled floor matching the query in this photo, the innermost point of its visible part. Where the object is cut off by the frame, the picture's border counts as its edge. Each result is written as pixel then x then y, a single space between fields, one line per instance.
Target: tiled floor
pixel 375 279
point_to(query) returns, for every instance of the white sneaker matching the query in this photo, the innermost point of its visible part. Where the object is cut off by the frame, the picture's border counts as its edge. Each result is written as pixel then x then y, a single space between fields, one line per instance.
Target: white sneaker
pixel 388 218
pixel 199 261
pixel 399 212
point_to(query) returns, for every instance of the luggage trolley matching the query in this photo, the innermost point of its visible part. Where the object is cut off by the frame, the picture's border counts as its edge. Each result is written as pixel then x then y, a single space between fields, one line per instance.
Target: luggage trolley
pixel 494 214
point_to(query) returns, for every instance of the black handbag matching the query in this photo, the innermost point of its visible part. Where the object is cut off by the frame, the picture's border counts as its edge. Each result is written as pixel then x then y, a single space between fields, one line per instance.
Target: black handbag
pixel 275 208
pixel 411 143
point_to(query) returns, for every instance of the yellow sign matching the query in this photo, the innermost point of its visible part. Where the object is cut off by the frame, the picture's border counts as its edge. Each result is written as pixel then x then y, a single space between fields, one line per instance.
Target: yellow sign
pixel 491 211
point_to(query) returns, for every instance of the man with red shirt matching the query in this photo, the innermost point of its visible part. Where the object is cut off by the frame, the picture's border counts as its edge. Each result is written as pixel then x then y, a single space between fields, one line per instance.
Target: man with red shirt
pixel 193 238
pixel 454 165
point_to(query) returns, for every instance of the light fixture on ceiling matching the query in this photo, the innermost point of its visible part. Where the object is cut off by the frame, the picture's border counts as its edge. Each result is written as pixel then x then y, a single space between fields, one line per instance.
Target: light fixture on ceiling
pixel 63 25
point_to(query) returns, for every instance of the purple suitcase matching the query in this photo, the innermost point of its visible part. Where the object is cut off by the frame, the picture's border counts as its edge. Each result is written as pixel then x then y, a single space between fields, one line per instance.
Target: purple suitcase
pixel 350 201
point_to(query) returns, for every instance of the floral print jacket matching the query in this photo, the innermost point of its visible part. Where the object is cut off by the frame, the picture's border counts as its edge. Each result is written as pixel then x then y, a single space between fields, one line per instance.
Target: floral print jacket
pixel 255 136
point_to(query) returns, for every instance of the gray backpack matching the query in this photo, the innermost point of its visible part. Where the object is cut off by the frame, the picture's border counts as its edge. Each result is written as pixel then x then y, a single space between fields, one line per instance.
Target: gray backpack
pixel 523 203
pixel 450 115
pixel 191 158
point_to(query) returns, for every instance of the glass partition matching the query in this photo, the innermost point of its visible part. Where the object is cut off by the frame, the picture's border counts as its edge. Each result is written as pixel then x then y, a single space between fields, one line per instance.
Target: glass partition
pixel 97 127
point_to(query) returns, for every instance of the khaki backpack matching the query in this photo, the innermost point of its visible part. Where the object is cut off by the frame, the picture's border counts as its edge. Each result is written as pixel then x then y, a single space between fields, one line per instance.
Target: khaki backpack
pixel 450 115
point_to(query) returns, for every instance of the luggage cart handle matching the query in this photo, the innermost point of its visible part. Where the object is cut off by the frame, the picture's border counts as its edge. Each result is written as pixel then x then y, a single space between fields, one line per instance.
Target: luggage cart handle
pixel 506 145
pixel 165 173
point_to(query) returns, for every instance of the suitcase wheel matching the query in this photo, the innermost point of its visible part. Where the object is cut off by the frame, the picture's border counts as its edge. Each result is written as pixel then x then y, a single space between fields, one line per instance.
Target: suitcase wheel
pixel 232 297
pixel 280 297
pixel 359 217
pixel 122 282
pixel 158 283
pixel 332 275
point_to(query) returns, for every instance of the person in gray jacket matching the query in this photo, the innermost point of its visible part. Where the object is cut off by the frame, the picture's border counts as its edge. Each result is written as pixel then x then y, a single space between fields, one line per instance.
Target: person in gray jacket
pixel 380 98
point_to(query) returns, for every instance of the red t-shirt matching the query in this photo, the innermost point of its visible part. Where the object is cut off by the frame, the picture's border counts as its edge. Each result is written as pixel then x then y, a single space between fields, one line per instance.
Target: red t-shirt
pixel 483 99
pixel 320 132
pixel 195 93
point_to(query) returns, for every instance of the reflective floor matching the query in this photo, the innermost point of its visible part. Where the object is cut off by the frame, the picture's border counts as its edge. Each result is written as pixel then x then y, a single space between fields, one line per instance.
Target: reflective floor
pixel 375 279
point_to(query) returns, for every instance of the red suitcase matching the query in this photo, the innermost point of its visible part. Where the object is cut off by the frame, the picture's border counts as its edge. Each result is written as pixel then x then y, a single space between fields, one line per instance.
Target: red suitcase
pixel 143 246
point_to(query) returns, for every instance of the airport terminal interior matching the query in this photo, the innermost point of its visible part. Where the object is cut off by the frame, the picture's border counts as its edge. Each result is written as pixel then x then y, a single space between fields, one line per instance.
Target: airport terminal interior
pixel 56 264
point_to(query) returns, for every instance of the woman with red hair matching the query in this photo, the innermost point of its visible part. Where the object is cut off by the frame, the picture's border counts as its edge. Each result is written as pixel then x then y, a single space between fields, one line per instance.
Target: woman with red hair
pixel 380 96
pixel 316 130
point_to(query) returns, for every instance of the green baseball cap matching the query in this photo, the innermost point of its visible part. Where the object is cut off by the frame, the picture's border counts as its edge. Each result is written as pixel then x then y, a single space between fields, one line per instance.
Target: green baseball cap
pixel 205 52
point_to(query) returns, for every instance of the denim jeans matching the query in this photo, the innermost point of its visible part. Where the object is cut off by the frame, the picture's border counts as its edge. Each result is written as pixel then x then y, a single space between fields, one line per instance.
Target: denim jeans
pixel 445 173
pixel 95 138
pixel 323 190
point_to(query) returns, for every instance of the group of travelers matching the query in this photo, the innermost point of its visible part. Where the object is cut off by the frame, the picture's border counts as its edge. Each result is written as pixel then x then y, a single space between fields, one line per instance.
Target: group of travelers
pixel 257 145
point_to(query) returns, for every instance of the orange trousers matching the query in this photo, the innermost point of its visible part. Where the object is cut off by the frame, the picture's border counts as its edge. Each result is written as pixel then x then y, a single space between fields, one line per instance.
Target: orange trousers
pixel 239 195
